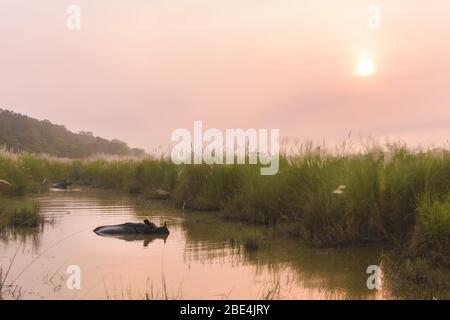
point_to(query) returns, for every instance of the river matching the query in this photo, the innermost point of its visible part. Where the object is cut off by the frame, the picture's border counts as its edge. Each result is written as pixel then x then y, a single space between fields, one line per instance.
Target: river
pixel 202 258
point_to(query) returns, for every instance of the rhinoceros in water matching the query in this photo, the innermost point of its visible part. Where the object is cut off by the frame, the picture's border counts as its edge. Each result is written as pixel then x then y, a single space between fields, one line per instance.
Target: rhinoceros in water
pixel 131 228
pixel 62 185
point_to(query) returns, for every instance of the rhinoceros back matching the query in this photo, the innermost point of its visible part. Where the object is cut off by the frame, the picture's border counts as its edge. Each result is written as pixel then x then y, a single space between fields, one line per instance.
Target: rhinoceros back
pixel 126 228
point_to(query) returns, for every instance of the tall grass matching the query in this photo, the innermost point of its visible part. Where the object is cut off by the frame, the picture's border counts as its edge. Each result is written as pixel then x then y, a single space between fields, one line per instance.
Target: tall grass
pixel 27 173
pixel 25 216
pixel 321 197
pixel 431 237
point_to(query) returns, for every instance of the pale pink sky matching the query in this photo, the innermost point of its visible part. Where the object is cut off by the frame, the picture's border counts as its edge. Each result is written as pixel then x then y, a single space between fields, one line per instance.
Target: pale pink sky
pixel 139 69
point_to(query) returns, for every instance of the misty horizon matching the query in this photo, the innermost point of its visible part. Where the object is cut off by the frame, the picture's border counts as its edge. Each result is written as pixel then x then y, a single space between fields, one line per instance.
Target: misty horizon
pixel 138 71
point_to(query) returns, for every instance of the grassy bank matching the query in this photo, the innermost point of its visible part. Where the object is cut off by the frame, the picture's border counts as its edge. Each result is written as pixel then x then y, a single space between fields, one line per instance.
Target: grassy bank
pixel 23 216
pixel 383 194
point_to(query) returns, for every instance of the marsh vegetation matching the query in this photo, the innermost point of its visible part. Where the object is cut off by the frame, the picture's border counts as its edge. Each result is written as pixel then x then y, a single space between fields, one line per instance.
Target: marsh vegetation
pixel 23 216
pixel 388 195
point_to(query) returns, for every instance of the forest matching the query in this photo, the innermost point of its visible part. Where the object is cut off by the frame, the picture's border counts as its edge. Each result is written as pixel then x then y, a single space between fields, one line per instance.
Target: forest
pixel 21 133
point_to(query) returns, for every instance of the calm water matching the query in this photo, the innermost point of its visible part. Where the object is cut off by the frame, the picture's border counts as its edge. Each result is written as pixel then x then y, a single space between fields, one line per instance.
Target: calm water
pixel 203 258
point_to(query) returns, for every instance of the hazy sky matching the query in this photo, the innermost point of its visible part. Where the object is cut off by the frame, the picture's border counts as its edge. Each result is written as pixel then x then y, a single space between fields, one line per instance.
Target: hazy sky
pixel 139 69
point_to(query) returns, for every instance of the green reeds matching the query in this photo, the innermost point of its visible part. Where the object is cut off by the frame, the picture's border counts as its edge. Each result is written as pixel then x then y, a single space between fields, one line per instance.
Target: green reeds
pixel 322 197
pixel 25 216
pixel 431 237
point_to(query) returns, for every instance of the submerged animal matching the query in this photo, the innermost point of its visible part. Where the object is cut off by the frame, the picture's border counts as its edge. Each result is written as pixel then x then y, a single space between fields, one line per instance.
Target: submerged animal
pixel 131 228
pixel 63 184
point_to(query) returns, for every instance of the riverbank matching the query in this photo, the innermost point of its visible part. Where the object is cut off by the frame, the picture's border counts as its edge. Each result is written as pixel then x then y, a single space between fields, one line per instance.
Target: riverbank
pixel 201 246
pixel 204 256
pixel 392 195
pixel 24 215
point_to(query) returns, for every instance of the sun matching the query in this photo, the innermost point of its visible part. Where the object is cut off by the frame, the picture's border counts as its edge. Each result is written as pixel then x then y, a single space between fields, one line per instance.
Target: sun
pixel 365 66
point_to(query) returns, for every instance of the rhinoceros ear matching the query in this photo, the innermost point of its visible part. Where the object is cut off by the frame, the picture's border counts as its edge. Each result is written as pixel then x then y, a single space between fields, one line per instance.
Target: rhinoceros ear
pixel 147 222
pixel 165 224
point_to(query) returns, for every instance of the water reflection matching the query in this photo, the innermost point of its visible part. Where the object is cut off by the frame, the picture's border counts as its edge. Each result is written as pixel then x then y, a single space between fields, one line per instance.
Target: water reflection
pixel 146 239
pixel 304 271
pixel 203 257
pixel 27 237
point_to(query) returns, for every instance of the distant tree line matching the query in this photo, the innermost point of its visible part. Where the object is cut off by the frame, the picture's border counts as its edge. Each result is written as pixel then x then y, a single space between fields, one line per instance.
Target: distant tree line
pixel 22 133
